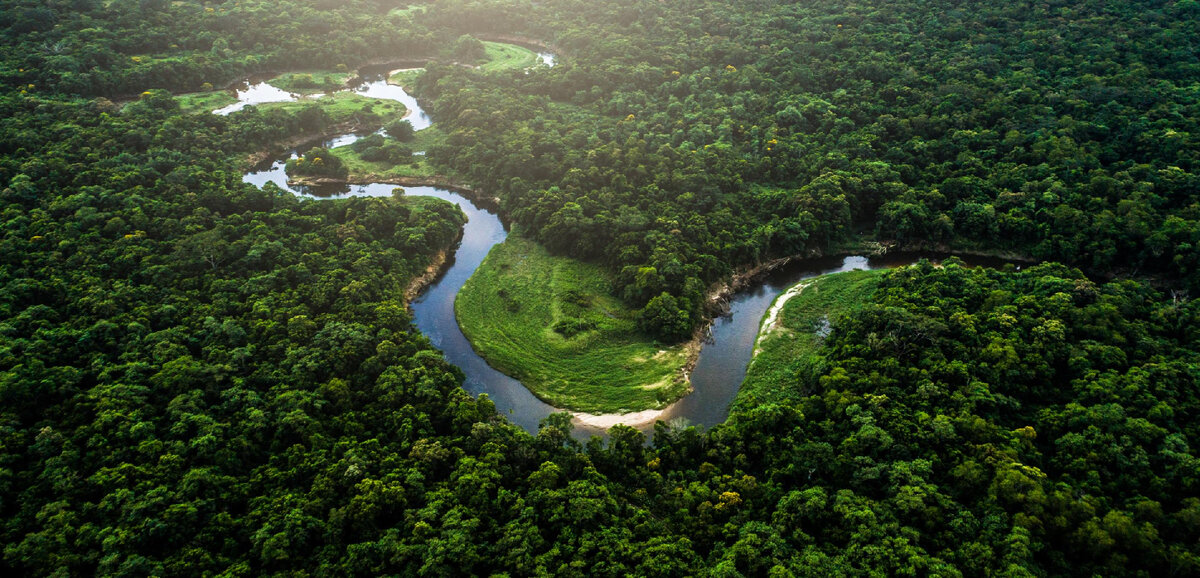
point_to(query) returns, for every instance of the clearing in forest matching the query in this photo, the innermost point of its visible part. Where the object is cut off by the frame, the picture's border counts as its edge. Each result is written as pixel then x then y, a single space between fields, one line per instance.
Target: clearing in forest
pixel 553 323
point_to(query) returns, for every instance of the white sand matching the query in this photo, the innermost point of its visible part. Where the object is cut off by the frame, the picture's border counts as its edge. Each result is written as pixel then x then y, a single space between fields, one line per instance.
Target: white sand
pixel 607 420
pixel 773 313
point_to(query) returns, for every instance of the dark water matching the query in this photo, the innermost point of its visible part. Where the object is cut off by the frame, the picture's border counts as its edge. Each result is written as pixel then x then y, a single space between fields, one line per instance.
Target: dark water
pixel 722 363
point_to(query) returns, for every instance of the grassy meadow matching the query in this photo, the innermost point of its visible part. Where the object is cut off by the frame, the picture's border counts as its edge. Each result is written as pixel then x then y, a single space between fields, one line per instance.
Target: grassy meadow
pixel 310 82
pixel 502 56
pixel 787 352
pixel 204 101
pixel 553 323
pixel 344 106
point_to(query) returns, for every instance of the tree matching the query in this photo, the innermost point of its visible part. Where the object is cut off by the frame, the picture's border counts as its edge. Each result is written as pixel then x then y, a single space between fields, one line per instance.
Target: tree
pixel 666 318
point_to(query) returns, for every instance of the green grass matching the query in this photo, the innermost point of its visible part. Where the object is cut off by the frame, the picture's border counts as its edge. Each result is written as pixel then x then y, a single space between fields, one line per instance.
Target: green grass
pixel 595 361
pixel 302 82
pixel 418 168
pixel 343 106
pixel 789 353
pixel 421 203
pixel 502 56
pixel 406 11
pixel 405 77
pixel 204 101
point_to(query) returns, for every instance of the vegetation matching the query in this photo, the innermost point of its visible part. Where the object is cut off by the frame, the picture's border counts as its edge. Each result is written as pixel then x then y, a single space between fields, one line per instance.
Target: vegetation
pixel 502 56
pixel 380 158
pixel 552 323
pixel 313 82
pixel 789 350
pixel 344 107
pixel 468 49
pixel 405 77
pixel 707 137
pixel 401 130
pixel 317 162
pixel 198 377
pixel 200 102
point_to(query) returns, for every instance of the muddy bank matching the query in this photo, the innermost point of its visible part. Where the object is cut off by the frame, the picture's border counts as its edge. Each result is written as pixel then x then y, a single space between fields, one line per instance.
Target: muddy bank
pixel 437 266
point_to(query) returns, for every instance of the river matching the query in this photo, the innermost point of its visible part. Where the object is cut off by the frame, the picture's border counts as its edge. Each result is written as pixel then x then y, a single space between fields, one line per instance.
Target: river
pixel 722 362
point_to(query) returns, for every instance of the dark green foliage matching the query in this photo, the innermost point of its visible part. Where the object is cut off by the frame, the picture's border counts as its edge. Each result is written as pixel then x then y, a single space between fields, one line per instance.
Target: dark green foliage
pixel 696 137
pixel 97 48
pixel 468 49
pixel 198 377
pixel 317 162
pixel 401 130
pixel 375 148
pixel 665 317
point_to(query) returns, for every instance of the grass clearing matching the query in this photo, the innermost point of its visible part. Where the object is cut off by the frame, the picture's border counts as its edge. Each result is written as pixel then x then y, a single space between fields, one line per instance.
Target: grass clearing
pixel 407 11
pixel 343 106
pixel 310 82
pixel 502 56
pixel 553 323
pixel 204 101
pixel 788 351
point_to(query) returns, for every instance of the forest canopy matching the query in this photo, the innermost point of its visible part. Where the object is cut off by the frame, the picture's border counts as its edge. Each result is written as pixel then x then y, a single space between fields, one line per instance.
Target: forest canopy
pixel 199 376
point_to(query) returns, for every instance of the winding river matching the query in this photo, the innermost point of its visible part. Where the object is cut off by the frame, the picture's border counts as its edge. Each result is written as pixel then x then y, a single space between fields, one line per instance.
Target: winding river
pixel 722 363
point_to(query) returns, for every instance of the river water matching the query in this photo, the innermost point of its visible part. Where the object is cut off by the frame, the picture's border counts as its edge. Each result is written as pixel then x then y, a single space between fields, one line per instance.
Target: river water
pixel 722 363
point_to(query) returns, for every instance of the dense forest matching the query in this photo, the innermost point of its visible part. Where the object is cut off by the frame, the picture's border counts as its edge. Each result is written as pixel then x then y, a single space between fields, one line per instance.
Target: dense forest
pixel 201 377
pixel 697 137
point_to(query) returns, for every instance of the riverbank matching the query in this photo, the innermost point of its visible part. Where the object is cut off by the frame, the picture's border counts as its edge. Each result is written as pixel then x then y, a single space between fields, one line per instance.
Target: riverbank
pixel 719 295
pixel 437 266
pixel 792 332
pixel 297 141
pixel 608 420
pixel 771 320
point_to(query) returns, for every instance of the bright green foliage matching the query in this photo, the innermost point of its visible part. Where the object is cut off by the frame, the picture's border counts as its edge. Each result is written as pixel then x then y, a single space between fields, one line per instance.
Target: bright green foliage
pixel 553 323
pixel 704 136
pixel 343 107
pixel 502 57
pixel 666 317
pixel 401 130
pixel 1024 420
pixel 468 50
pixel 205 101
pixel 312 82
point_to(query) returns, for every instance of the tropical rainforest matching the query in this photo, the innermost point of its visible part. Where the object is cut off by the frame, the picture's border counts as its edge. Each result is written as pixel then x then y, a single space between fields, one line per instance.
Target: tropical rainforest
pixel 199 376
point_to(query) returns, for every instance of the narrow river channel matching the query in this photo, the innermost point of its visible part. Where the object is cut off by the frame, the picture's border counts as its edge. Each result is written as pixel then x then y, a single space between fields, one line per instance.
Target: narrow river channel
pixel 722 364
